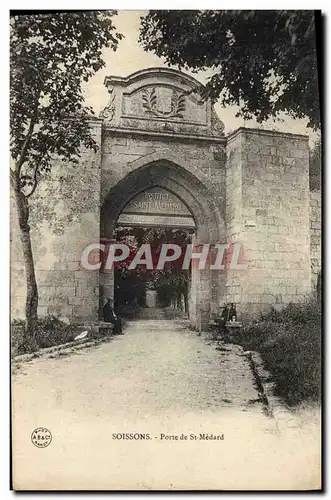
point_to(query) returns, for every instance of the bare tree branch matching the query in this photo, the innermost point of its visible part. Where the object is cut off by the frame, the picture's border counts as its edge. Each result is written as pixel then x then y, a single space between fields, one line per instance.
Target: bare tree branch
pixel 35 179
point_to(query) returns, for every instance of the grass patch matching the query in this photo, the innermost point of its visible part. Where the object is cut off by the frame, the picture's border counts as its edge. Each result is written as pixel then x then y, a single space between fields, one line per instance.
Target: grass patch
pixel 290 345
pixel 50 332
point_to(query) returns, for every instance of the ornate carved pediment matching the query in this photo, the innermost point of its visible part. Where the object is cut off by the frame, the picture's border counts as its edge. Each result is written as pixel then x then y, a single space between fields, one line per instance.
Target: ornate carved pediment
pixel 160 99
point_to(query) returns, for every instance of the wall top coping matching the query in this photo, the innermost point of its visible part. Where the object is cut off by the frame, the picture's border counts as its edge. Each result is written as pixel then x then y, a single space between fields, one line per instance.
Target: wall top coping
pixel 95 122
pixel 258 131
pixel 151 72
pixel 219 140
pixel 174 135
pixel 95 119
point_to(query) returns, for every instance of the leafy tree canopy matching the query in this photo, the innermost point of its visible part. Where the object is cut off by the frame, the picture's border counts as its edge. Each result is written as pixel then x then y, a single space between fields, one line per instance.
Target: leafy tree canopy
pixel 172 273
pixel 263 61
pixel 51 55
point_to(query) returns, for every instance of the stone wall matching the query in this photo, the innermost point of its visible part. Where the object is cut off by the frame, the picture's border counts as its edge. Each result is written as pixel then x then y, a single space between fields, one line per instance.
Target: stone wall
pixel 119 153
pixel 194 171
pixel 263 191
pixel 65 218
pixel 315 236
pixel 267 176
pixel 251 187
pixel 234 212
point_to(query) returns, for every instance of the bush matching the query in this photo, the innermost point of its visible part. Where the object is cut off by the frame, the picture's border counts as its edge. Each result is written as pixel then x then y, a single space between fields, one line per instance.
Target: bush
pixel 50 332
pixel 17 336
pixel 290 345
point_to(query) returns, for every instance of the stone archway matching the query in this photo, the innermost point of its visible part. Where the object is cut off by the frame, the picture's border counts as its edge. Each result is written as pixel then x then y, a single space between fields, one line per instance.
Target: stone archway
pixel 164 173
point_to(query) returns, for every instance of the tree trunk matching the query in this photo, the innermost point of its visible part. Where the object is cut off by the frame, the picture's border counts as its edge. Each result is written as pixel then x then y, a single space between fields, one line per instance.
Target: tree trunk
pixel 185 293
pixel 31 305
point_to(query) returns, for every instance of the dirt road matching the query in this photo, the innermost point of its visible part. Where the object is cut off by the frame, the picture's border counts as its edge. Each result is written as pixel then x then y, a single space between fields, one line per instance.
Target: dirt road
pixel 197 407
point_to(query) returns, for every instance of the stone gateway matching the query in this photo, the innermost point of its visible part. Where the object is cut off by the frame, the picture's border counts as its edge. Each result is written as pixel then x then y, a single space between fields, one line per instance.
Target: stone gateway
pixel 164 160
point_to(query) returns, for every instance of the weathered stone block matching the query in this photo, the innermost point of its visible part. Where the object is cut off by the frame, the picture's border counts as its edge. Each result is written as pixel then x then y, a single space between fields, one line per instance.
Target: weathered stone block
pixel 46 291
pixel 60 266
pixel 42 311
pixel 74 266
pixel 289 160
pixel 53 300
pixel 65 290
pixel 299 153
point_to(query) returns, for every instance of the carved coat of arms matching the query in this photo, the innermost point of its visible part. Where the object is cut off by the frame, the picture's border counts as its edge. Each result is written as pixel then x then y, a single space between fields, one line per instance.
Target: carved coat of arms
pixel 154 105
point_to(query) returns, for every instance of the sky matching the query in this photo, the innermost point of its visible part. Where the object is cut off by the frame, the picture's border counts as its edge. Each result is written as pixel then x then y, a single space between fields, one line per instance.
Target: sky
pixel 130 57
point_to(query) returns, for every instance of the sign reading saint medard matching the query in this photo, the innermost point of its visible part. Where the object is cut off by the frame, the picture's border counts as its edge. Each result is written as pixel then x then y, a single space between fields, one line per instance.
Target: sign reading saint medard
pixel 155 207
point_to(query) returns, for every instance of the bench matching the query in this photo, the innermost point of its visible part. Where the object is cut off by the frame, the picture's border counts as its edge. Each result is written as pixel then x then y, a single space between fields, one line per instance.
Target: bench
pixel 233 324
pixel 105 328
pixel 231 328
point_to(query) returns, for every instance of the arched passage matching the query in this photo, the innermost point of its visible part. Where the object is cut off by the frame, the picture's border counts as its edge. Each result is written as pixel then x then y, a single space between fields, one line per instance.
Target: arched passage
pixel 173 177
pixel 164 173
pixel 155 207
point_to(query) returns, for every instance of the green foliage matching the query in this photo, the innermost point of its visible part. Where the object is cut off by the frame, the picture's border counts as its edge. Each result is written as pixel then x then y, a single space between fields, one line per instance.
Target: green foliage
pixel 50 331
pixel 171 281
pixel 172 273
pixel 51 55
pixel 263 61
pixel 290 345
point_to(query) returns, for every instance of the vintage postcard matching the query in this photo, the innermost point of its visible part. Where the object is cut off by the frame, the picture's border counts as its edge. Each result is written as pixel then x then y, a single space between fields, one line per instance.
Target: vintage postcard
pixel 165 250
